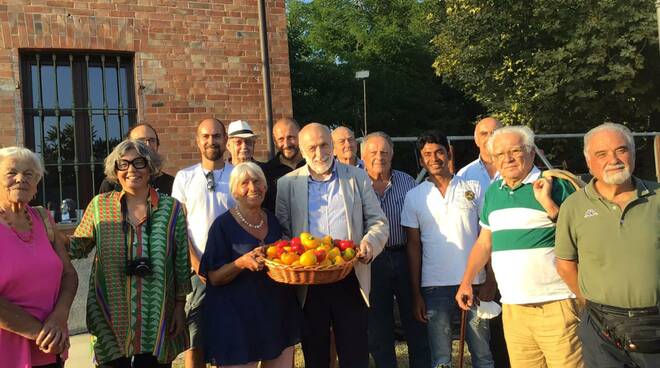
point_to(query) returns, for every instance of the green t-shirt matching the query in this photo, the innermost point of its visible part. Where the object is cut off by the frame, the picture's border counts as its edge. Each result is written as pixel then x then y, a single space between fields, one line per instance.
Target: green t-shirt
pixel 618 251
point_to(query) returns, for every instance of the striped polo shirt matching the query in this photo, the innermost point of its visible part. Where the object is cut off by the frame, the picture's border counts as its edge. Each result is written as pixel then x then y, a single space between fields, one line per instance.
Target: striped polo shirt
pixel 523 240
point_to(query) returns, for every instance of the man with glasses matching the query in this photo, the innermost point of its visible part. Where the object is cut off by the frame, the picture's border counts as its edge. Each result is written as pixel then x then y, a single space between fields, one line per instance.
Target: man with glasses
pixel 203 189
pixel 240 142
pixel 517 220
pixel 147 134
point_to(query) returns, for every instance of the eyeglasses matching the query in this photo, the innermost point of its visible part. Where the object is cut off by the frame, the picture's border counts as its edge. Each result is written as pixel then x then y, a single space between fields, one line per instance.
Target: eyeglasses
pixel 210 181
pixel 138 163
pixel 515 152
pixel 149 141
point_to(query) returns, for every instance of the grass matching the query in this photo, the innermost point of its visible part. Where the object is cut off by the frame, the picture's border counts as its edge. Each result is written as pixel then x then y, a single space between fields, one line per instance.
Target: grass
pixel 401 355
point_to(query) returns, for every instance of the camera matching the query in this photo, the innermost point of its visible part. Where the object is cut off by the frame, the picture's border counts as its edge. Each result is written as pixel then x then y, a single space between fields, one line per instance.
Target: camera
pixel 140 267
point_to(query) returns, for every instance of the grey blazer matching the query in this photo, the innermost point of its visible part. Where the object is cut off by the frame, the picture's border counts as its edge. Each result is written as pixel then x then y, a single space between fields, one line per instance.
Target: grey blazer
pixel 364 217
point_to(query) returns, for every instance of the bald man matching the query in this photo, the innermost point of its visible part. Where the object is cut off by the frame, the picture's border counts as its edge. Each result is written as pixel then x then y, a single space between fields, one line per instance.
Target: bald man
pixel 326 197
pixel 287 159
pixel 484 171
pixel 203 189
pixel 483 168
pixel 345 147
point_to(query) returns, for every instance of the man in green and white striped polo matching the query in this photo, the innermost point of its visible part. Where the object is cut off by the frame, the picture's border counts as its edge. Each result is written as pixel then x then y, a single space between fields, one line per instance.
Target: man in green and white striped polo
pixel 518 232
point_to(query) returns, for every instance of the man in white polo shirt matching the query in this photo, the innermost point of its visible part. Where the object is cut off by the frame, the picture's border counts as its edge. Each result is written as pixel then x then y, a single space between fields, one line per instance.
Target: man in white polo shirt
pixel 483 168
pixel 203 189
pixel 441 219
pixel 518 231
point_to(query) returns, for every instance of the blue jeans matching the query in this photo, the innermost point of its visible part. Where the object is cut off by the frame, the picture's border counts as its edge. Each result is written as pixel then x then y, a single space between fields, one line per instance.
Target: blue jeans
pixel 440 308
pixel 390 278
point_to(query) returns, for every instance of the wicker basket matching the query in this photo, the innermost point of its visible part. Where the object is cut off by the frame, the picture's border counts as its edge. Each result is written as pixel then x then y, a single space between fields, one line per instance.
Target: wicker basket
pixel 308 275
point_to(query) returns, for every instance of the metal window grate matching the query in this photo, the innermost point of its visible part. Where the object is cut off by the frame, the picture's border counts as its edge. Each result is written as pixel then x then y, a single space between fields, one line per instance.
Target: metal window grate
pixel 77 107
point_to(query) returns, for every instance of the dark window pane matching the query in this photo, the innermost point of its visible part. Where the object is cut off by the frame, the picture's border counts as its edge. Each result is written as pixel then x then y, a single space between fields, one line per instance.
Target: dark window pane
pixel 98 138
pixel 95 85
pixel 67 136
pixel 48 86
pixel 111 92
pixel 114 135
pixel 64 87
pixel 50 135
pixel 52 181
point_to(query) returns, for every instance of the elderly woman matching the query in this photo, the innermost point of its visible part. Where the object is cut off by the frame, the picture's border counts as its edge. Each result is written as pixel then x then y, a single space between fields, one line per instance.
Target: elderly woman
pixel 140 275
pixel 37 281
pixel 248 317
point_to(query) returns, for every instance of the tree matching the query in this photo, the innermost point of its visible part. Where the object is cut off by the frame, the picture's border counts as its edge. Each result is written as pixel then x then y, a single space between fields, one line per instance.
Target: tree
pixel 329 40
pixel 556 65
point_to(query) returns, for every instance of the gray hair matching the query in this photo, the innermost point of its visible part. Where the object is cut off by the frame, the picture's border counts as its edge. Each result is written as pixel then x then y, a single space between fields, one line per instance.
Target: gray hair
pixel 381 134
pixel 243 170
pixel 154 160
pixel 522 131
pixel 23 154
pixel 613 127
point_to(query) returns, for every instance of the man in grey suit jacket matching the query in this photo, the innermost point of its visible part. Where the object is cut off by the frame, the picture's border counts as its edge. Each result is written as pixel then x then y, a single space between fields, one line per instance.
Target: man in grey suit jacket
pixel 326 197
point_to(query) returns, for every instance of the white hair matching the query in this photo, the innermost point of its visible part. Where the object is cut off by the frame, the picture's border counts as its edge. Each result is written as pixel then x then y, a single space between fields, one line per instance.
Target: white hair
pixel 23 154
pixel 365 140
pixel 243 170
pixel 154 160
pixel 613 127
pixel 522 131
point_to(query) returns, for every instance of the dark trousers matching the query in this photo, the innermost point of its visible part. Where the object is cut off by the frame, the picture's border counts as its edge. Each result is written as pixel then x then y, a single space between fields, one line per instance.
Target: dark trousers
pixel 390 278
pixel 140 361
pixel 338 305
pixel 598 352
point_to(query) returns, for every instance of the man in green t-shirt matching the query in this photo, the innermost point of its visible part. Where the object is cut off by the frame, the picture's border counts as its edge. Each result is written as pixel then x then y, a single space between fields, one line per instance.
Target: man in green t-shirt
pixel 607 245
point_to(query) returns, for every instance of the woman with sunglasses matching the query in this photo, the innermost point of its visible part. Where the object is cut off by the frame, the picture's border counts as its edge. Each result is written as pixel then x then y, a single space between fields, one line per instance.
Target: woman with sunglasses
pixel 140 274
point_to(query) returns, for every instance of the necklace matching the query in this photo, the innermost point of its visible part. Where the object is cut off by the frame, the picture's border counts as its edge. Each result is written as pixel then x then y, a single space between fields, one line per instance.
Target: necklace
pixel 26 238
pixel 243 220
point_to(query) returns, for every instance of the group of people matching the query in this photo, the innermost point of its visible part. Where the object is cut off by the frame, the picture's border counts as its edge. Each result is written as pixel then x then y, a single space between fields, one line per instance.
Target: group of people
pixel 179 267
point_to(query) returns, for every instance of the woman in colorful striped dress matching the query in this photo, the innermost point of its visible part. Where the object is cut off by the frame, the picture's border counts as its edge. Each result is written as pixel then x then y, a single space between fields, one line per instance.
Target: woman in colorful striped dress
pixel 140 275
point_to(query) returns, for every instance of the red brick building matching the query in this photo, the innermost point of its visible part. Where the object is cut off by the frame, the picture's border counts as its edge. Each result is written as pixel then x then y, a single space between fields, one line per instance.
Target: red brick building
pixel 74 75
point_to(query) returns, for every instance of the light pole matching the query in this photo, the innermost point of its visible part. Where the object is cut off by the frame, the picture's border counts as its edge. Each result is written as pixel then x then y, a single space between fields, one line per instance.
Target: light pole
pixel 364 74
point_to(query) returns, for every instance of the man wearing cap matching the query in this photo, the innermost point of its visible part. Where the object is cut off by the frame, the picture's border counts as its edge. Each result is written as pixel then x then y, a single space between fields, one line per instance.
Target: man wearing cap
pixel 203 189
pixel 240 142
pixel 287 159
pixel 608 242
pixel 147 134
pixel 343 139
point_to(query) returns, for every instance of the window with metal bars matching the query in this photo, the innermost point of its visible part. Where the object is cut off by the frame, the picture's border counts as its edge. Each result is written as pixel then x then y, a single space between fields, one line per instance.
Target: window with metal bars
pixel 76 107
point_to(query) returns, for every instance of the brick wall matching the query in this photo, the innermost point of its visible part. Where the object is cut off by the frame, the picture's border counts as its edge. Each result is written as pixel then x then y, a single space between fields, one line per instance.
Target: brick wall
pixel 193 59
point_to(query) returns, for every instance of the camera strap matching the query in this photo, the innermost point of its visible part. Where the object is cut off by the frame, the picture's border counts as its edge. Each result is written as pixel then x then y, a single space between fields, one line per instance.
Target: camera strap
pixel 130 231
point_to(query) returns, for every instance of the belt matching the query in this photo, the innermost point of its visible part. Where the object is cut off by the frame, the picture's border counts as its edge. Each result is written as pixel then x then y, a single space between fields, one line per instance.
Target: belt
pixel 626 312
pixel 396 247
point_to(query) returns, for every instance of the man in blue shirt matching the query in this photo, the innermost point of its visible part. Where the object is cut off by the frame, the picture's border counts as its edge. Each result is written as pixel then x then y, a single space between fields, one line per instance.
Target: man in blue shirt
pixel 390 276
pixel 326 197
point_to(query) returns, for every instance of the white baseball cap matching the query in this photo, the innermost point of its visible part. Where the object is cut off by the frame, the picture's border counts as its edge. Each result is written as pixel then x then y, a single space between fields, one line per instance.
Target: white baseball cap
pixel 241 129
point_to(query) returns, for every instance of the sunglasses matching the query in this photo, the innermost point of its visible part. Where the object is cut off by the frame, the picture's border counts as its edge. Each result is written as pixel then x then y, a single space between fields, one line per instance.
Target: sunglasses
pixel 138 163
pixel 210 181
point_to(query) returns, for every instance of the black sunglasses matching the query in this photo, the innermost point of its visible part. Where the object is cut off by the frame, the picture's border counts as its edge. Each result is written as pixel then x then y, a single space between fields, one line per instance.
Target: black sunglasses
pixel 210 181
pixel 138 163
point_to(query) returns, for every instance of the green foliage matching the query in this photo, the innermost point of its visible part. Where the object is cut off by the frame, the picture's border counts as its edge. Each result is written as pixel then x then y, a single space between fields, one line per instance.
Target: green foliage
pixel 556 65
pixel 329 40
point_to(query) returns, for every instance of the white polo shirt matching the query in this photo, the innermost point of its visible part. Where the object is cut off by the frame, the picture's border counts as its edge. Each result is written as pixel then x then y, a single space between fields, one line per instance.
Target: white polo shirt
pixel 449 227
pixel 202 205
pixel 476 170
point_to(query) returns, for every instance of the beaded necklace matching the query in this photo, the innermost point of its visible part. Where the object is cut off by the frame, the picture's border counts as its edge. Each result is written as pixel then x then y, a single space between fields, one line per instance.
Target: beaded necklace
pixel 25 237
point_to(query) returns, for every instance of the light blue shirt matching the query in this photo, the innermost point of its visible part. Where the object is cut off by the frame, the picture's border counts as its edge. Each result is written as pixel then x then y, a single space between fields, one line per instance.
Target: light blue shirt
pixel 476 170
pixel 326 207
